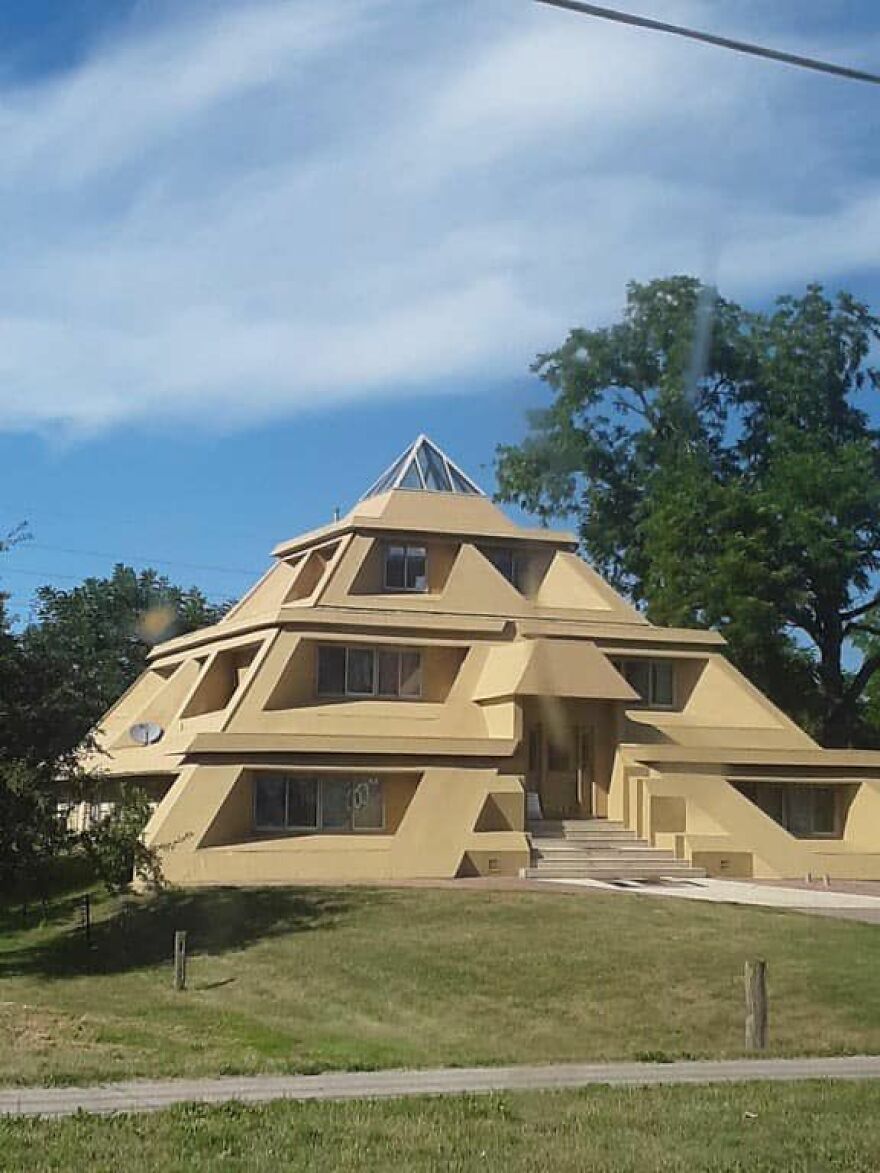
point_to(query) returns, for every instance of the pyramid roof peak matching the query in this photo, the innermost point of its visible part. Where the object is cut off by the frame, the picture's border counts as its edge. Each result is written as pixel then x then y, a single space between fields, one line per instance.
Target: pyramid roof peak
pixel 424 467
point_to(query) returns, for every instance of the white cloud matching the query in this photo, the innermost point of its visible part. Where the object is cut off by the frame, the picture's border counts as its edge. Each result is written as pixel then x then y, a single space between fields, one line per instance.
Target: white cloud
pixel 243 212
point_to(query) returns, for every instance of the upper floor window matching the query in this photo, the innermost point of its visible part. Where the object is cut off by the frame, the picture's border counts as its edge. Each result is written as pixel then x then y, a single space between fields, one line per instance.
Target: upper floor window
pixel 406 568
pixel 362 671
pixel 653 680
pixel 505 562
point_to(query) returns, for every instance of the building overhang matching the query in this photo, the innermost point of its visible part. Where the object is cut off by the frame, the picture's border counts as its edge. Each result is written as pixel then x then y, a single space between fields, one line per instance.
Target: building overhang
pixel 564 668
pixel 245 744
pixel 667 757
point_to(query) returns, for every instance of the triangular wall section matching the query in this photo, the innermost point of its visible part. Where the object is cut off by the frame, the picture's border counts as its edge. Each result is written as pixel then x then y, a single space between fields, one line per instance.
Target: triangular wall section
pixel 571 585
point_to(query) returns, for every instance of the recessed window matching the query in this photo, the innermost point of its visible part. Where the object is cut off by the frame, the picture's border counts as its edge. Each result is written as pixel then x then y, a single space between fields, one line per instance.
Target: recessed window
pixel 291 802
pixel 360 675
pixel 363 672
pixel 302 802
pixel 807 812
pixel 270 801
pixel 653 680
pixel 505 562
pixel 406 568
pixel 331 670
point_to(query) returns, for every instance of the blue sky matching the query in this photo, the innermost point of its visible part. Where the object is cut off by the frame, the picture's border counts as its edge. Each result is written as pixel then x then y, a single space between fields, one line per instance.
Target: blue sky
pixel 252 248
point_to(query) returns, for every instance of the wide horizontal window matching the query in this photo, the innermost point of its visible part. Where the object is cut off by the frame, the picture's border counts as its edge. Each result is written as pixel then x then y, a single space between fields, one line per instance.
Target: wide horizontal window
pixel 330 802
pixel 406 568
pixel 653 680
pixel 804 811
pixel 362 671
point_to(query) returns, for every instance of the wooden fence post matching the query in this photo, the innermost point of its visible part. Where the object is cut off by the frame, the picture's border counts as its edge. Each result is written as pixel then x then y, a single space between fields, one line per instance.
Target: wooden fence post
pixel 756 1005
pixel 86 918
pixel 180 960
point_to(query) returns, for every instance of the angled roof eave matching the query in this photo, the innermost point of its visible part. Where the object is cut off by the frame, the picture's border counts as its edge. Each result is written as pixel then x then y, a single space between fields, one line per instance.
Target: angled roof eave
pixel 452 526
pixel 561 668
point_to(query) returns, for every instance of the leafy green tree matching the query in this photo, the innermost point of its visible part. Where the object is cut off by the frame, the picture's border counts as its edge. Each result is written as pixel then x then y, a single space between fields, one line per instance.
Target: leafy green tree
pixel 90 643
pixel 57 678
pixel 722 471
pixel 113 844
pixel 32 837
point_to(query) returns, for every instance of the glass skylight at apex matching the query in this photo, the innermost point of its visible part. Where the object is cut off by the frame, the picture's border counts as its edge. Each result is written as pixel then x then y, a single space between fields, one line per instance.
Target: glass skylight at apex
pixel 425 468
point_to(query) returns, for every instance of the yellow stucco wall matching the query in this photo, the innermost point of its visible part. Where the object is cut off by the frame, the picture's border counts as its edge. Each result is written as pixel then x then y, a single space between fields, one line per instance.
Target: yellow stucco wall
pixel 495 659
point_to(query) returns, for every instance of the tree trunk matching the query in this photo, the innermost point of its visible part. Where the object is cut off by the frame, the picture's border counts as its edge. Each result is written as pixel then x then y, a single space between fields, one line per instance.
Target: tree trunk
pixel 836 718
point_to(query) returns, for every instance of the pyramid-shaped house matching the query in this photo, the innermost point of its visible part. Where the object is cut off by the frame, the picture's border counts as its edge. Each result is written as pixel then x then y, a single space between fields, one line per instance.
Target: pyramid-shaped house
pixel 425 689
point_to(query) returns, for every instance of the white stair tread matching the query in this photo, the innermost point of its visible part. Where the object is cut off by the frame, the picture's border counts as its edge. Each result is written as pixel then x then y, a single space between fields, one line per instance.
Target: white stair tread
pixel 599 849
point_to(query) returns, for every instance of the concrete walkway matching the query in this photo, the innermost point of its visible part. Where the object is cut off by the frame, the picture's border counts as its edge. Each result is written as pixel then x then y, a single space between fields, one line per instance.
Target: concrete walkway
pixel 772 895
pixel 149 1096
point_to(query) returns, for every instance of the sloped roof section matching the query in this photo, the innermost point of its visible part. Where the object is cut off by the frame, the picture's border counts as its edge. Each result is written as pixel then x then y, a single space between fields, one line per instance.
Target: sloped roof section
pixel 427 469
pixel 551 667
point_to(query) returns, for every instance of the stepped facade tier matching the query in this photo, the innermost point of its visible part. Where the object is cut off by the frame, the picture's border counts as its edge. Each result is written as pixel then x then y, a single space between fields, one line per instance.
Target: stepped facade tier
pixel 410 689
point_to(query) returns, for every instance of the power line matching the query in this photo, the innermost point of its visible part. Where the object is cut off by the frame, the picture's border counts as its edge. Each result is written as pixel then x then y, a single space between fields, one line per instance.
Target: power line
pixel 748 47
pixel 51 575
pixel 143 558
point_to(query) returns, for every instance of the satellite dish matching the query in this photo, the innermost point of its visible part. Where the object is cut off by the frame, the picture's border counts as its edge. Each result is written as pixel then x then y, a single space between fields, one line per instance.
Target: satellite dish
pixel 146 733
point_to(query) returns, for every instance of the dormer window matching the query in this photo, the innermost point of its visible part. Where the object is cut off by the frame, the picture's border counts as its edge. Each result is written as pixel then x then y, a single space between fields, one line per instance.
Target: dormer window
pixel 653 680
pixel 360 671
pixel 406 568
pixel 505 562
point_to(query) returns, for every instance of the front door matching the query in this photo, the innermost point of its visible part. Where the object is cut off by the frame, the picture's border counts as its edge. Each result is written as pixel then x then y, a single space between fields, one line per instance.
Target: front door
pixel 560 769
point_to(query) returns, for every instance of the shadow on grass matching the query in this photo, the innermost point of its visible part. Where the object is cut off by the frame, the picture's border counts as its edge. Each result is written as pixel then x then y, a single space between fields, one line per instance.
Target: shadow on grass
pixel 58 910
pixel 137 932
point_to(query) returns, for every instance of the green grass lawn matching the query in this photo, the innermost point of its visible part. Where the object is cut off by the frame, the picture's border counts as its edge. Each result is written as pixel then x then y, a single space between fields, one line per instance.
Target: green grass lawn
pixel 762 1128
pixel 318 978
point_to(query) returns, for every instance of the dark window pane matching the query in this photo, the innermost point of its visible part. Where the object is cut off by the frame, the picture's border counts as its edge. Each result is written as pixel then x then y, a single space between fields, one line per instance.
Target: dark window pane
pixel 770 799
pixel 799 809
pixel 662 691
pixel 434 470
pixel 331 670
pixel 416 572
pixel 269 800
pixel 335 803
pixel 824 811
pixel 410 674
pixel 367 813
pixel 504 562
pixel 395 563
pixel 411 479
pixel 459 484
pixel 302 802
pixel 359 678
pixel 389 672
pixel 389 478
pixel 558 755
pixel 638 673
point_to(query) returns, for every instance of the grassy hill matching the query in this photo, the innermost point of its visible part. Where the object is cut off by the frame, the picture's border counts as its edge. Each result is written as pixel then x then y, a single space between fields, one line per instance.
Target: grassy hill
pixel 310 979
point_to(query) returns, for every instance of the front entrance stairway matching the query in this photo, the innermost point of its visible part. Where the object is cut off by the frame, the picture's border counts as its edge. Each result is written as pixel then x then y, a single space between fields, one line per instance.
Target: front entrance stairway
pixel 598 849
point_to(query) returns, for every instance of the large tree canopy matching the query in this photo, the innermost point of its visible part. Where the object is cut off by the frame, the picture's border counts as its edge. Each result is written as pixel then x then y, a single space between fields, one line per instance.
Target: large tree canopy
pixel 88 644
pixel 57 677
pixel 722 470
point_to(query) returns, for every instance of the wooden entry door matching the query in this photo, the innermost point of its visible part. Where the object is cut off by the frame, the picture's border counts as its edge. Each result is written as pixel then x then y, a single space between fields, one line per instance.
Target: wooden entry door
pixel 560 769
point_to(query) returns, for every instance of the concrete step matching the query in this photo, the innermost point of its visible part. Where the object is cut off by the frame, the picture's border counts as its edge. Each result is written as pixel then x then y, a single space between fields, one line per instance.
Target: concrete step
pixel 580 832
pixel 599 849
pixel 551 825
pixel 645 855
pixel 569 846
pixel 609 863
pixel 680 871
